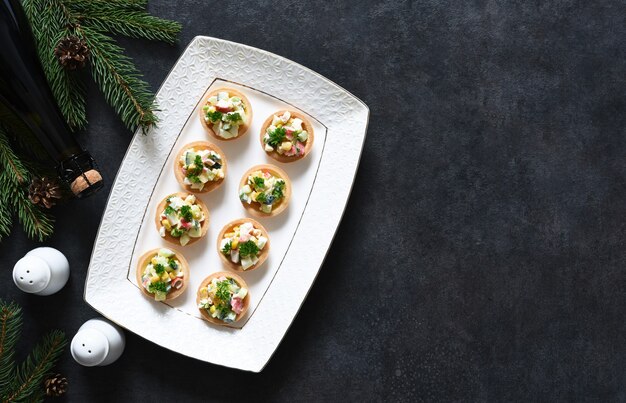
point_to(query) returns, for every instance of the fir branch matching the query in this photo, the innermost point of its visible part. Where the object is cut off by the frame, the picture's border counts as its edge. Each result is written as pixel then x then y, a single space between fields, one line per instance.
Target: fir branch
pixel 51 21
pixel 107 17
pixel 29 377
pixel 13 178
pixel 10 327
pixel 119 80
pixel 6 221
pixel 36 222
pixel 122 4
pixel 12 167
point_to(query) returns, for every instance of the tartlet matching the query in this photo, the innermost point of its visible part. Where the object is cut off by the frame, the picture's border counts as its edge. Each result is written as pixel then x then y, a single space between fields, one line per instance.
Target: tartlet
pixel 182 225
pixel 287 136
pixel 223 298
pixel 226 114
pixel 162 274
pixel 265 190
pixel 207 176
pixel 243 244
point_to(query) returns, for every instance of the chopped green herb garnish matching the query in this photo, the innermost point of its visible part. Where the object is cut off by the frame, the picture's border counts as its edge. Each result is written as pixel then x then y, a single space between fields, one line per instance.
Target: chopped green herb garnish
pixel 277 137
pixel 175 232
pixel 259 182
pixel 169 210
pixel 185 212
pixel 227 248
pixel 279 186
pixel 193 178
pixel 261 197
pixel 234 117
pixel 247 249
pixel 159 269
pixel 159 286
pixel 173 264
pixel 223 291
pixel 214 116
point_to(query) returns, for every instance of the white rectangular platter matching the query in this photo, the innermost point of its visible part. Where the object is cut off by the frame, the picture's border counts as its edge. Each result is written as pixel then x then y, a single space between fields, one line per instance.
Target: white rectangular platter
pixel 300 236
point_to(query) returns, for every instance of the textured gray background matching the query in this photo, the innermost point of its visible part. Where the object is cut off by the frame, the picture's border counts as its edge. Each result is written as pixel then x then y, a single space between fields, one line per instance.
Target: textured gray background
pixel 482 254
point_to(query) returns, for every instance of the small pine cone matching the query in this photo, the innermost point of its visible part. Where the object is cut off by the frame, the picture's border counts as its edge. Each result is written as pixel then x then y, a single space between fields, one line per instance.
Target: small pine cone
pixel 72 52
pixel 56 385
pixel 44 191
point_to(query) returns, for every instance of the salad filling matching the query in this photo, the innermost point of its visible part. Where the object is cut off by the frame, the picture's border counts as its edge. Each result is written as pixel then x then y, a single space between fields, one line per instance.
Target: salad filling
pixel 201 167
pixel 223 299
pixel 286 136
pixel 264 188
pixel 162 274
pixel 224 114
pixel 182 218
pixel 243 245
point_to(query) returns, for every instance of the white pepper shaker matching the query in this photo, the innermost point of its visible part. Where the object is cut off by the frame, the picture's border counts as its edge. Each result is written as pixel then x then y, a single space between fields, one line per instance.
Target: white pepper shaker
pixel 98 342
pixel 43 271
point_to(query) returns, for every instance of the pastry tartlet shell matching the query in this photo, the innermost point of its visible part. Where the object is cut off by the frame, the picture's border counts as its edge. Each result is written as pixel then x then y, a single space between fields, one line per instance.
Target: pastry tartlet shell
pixel 253 208
pixel 204 226
pixel 306 125
pixel 264 252
pixel 246 300
pixel 196 146
pixel 243 129
pixel 143 262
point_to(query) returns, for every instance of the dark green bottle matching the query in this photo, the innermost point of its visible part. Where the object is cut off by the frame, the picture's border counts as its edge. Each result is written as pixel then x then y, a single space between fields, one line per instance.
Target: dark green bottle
pixel 25 91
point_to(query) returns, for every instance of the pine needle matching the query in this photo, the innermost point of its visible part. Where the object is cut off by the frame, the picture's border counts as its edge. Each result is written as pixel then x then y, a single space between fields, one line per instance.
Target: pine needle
pixel 119 80
pixel 6 221
pixel 24 383
pixel 121 4
pixel 30 375
pixel 14 176
pixel 50 22
pixel 115 74
pixel 107 17
pixel 10 327
pixel 12 167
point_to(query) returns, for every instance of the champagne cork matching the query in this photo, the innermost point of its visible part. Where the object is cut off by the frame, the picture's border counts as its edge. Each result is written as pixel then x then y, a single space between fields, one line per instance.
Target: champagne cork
pixel 84 181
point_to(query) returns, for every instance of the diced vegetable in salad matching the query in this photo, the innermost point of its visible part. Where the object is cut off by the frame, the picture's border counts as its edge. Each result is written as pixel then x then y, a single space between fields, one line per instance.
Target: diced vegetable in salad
pixel 223 299
pixel 243 245
pixel 264 188
pixel 286 136
pixel 225 114
pixel 201 167
pixel 182 218
pixel 162 274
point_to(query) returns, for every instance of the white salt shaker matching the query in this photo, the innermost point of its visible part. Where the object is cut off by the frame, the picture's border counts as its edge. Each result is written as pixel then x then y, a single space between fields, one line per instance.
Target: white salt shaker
pixel 43 271
pixel 98 342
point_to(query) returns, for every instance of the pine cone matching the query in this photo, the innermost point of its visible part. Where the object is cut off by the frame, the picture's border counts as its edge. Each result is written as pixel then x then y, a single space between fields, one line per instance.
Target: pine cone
pixel 72 52
pixel 44 191
pixel 56 385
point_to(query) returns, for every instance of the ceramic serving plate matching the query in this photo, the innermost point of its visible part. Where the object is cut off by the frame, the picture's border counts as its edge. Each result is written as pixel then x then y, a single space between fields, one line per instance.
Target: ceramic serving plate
pixel 300 236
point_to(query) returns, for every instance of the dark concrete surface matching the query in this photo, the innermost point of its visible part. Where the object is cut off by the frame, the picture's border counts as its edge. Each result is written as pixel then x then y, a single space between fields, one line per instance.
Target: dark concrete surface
pixel 482 254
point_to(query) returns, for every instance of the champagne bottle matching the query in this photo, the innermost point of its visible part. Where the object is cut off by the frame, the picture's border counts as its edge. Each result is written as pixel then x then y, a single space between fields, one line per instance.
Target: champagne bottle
pixel 25 91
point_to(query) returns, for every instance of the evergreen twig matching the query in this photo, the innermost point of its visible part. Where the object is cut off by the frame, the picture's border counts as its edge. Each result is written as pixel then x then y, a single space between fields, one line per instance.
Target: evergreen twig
pixel 119 80
pixel 50 24
pixel 10 327
pixel 114 72
pixel 24 383
pixel 107 17
pixel 14 176
pixel 30 375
